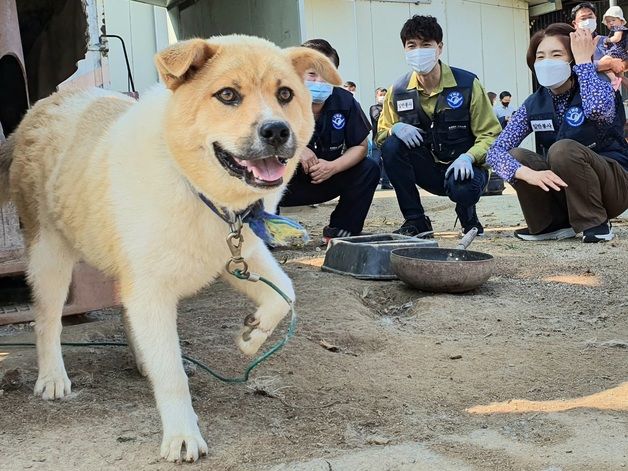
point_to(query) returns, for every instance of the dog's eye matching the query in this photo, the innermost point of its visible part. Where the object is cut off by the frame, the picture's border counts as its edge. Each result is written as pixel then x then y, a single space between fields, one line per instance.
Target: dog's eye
pixel 228 96
pixel 284 95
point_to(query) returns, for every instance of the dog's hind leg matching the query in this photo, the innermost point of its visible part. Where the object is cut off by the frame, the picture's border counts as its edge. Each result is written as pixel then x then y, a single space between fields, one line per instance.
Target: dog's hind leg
pixel 49 274
pixel 152 315
pixel 271 306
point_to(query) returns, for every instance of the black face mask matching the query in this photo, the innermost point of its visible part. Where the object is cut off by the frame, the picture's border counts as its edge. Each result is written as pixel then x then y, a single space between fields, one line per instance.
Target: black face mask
pixel 505 104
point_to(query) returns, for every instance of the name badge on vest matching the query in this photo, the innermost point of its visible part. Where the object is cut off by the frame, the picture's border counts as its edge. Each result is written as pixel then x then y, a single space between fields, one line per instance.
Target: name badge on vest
pixel 405 105
pixel 542 125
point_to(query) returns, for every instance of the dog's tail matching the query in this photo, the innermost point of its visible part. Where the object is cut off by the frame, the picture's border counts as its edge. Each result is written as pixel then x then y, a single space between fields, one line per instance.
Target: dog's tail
pixel 6 158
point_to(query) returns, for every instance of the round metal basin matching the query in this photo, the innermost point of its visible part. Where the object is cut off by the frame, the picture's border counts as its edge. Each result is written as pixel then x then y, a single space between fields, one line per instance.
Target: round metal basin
pixel 441 270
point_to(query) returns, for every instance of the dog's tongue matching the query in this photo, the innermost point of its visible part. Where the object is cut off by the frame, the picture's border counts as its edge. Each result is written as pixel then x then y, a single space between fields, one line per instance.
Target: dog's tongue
pixel 268 170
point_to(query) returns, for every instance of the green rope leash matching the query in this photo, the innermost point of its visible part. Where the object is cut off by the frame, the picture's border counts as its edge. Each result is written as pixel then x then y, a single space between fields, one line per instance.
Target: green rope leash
pixel 242 379
pixel 234 242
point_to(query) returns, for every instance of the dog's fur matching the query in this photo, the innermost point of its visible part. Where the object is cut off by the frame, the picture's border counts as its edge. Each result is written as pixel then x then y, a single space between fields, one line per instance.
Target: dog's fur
pixel 96 176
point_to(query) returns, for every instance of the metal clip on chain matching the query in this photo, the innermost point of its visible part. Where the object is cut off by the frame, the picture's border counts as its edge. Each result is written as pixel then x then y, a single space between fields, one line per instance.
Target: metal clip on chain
pixel 236 264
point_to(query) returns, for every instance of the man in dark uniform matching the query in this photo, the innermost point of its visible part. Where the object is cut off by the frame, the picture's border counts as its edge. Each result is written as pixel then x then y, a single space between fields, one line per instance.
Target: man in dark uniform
pixel 436 126
pixel 334 164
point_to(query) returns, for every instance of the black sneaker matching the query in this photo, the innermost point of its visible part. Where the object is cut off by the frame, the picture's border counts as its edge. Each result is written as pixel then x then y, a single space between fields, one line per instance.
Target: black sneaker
pixel 551 233
pixel 601 233
pixel 477 224
pixel 420 228
pixel 330 233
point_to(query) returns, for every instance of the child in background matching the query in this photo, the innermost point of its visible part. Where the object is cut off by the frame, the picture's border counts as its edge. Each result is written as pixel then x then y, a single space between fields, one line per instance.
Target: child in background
pixel 617 41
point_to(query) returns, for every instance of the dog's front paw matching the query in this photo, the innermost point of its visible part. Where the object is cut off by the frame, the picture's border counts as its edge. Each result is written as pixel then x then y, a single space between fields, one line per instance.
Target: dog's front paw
pixel 250 340
pixel 194 444
pixel 53 386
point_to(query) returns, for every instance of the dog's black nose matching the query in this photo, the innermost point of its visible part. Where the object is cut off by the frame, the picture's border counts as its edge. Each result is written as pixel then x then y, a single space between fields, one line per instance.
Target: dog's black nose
pixel 274 133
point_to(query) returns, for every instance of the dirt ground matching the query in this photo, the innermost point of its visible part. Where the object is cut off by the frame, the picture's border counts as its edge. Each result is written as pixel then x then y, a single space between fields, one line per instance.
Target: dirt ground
pixel 378 376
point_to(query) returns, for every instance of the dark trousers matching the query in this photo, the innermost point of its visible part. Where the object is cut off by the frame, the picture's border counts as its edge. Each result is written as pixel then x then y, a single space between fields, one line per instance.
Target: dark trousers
pixel 408 168
pixel 597 188
pixel 355 186
pixel 377 157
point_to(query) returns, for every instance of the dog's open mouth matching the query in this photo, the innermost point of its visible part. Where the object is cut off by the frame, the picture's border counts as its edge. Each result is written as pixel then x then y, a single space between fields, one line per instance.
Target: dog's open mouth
pixel 267 172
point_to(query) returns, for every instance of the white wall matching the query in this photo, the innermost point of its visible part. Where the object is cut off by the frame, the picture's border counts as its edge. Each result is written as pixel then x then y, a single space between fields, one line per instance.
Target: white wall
pixel 144 30
pixel 486 37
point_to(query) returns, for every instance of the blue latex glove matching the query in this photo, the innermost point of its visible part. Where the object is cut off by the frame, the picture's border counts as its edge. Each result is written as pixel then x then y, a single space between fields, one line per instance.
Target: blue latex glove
pixel 462 167
pixel 408 134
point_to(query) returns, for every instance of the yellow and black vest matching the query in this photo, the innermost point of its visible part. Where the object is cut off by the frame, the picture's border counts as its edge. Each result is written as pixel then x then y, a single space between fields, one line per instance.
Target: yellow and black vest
pixel 449 132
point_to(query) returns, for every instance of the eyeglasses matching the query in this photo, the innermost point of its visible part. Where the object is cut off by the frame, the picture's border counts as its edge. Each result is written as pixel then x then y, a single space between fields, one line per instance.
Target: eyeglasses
pixel 580 6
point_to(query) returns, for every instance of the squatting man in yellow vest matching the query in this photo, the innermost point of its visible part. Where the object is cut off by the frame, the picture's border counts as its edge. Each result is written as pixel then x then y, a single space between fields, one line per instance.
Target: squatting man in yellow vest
pixel 436 126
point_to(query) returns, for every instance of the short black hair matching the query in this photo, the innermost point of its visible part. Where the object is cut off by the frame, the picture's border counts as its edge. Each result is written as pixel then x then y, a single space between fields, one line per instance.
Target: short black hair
pixel 421 27
pixel 380 89
pixel 349 83
pixel 323 47
pixel 580 6
pixel 504 94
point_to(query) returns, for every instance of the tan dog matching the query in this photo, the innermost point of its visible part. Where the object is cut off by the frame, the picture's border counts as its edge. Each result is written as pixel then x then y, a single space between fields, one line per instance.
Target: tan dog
pixel 96 176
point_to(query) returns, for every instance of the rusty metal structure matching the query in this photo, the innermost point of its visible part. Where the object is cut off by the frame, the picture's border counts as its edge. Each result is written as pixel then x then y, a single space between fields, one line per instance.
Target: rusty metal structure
pixel 41 42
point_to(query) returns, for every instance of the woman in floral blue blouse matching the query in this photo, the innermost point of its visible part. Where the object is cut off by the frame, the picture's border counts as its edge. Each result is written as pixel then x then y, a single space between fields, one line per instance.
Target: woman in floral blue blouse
pixel 580 181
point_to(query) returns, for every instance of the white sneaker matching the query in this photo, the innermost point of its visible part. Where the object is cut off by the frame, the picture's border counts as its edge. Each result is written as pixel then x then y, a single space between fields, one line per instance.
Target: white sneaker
pixel 558 234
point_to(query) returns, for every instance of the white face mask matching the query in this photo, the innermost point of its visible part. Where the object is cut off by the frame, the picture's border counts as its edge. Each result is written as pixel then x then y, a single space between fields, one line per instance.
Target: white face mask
pixel 422 59
pixel 552 73
pixel 380 99
pixel 589 24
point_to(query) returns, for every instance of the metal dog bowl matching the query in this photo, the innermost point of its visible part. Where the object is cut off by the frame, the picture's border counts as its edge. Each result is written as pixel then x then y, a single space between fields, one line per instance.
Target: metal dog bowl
pixel 368 257
pixel 442 270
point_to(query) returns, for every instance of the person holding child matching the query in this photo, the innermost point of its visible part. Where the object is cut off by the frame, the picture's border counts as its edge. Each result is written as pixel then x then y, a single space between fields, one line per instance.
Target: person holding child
pixel 584 16
pixel 581 180
pixel 615 44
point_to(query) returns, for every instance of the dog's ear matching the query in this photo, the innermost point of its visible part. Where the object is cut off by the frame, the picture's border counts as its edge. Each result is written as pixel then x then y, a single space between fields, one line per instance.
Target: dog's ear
pixel 304 58
pixel 177 63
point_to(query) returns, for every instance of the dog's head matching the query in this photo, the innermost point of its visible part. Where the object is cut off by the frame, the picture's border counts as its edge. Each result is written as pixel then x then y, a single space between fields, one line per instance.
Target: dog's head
pixel 240 114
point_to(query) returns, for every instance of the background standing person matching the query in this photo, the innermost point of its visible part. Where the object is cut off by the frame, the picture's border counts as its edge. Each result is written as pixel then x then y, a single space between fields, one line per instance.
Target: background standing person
pixel 333 163
pixel 435 128
pixel 615 44
pixel 581 181
pixel 492 96
pixel 503 109
pixel 584 16
pixel 374 112
pixel 350 86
